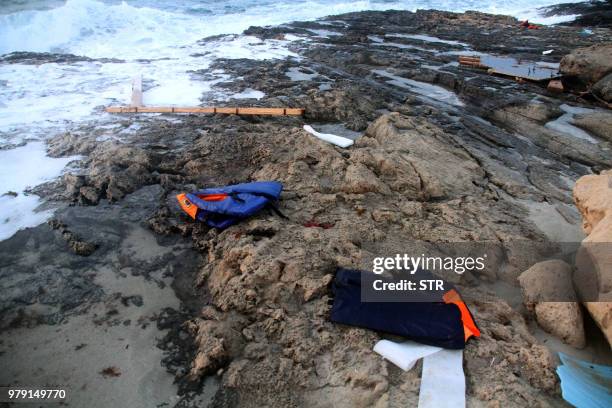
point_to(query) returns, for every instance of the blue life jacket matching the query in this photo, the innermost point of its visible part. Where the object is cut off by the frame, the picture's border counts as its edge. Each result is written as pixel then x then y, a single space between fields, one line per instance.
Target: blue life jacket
pixel 221 207
pixel 448 323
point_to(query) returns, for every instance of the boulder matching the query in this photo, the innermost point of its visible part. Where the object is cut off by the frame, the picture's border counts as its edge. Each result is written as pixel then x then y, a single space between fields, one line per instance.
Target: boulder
pixel 601 312
pixel 563 320
pixel 593 276
pixel 547 281
pixel 593 197
pixel 598 123
pixel 590 64
pixel 548 292
pixel 603 88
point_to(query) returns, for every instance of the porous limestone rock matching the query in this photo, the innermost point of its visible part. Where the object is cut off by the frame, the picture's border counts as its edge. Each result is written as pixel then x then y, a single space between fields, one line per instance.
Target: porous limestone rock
pixel 593 277
pixel 548 293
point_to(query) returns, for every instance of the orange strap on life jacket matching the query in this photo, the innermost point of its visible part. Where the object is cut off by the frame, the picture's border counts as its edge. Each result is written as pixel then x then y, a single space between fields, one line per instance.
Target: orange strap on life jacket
pixel 192 209
pixel 469 326
pixel 187 206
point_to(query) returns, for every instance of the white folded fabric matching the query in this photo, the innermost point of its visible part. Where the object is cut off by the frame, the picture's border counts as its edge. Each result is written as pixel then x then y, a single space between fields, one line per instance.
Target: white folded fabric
pixel 404 355
pixel 328 137
pixel 442 380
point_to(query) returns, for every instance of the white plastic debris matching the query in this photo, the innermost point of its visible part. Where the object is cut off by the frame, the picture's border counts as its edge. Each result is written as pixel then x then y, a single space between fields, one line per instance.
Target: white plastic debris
pixel 404 355
pixel 547 52
pixel 328 137
pixel 442 380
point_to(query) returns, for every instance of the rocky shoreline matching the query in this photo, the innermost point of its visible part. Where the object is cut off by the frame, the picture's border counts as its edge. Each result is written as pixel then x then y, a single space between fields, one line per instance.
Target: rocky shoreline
pixel 443 153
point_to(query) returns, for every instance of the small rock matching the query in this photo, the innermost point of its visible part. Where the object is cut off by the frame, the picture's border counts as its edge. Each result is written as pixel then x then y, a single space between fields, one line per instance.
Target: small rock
pixel 548 292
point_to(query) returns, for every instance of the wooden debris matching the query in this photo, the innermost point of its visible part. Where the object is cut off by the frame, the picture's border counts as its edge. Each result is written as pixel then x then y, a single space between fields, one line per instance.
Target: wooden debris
pixel 555 85
pixel 471 61
pixel 197 109
pixel 137 106
pixel 511 67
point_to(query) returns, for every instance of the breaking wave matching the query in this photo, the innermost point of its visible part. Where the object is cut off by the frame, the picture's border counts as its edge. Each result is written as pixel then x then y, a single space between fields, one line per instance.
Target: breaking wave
pixel 153 28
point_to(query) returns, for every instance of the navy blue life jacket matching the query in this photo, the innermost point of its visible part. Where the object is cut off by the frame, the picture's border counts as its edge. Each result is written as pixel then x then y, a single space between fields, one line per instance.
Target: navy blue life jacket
pixel 221 207
pixel 446 324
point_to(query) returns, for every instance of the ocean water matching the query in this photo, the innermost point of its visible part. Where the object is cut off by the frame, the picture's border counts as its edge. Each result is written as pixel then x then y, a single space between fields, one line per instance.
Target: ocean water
pixel 155 38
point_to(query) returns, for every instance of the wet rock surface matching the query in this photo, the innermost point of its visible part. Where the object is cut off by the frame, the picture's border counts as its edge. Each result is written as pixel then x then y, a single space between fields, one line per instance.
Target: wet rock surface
pixel 446 153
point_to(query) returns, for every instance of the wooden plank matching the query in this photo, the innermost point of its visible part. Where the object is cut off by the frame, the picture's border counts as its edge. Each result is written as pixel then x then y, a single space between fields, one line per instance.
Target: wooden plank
pixel 137 91
pixel 194 110
pixel 227 110
pixel 153 109
pixel 470 61
pixel 261 111
pixel 294 111
pixel 205 109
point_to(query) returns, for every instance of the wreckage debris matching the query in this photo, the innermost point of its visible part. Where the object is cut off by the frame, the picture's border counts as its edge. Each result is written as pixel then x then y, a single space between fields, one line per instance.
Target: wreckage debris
pixel 584 384
pixel 511 67
pixel 328 137
pixel 214 110
pixel 442 379
pixel 137 106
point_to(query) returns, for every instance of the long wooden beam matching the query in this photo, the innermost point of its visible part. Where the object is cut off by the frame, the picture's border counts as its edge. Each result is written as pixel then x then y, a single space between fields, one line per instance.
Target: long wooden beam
pixel 223 110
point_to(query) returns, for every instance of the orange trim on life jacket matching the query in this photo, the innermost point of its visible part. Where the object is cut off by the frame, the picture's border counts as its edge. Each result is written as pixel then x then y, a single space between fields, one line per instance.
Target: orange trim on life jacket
pixel 469 326
pixel 187 205
pixel 213 197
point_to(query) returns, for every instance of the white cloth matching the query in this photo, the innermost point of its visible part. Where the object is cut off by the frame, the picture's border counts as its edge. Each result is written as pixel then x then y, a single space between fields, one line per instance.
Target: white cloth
pixel 404 355
pixel 328 137
pixel 442 379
